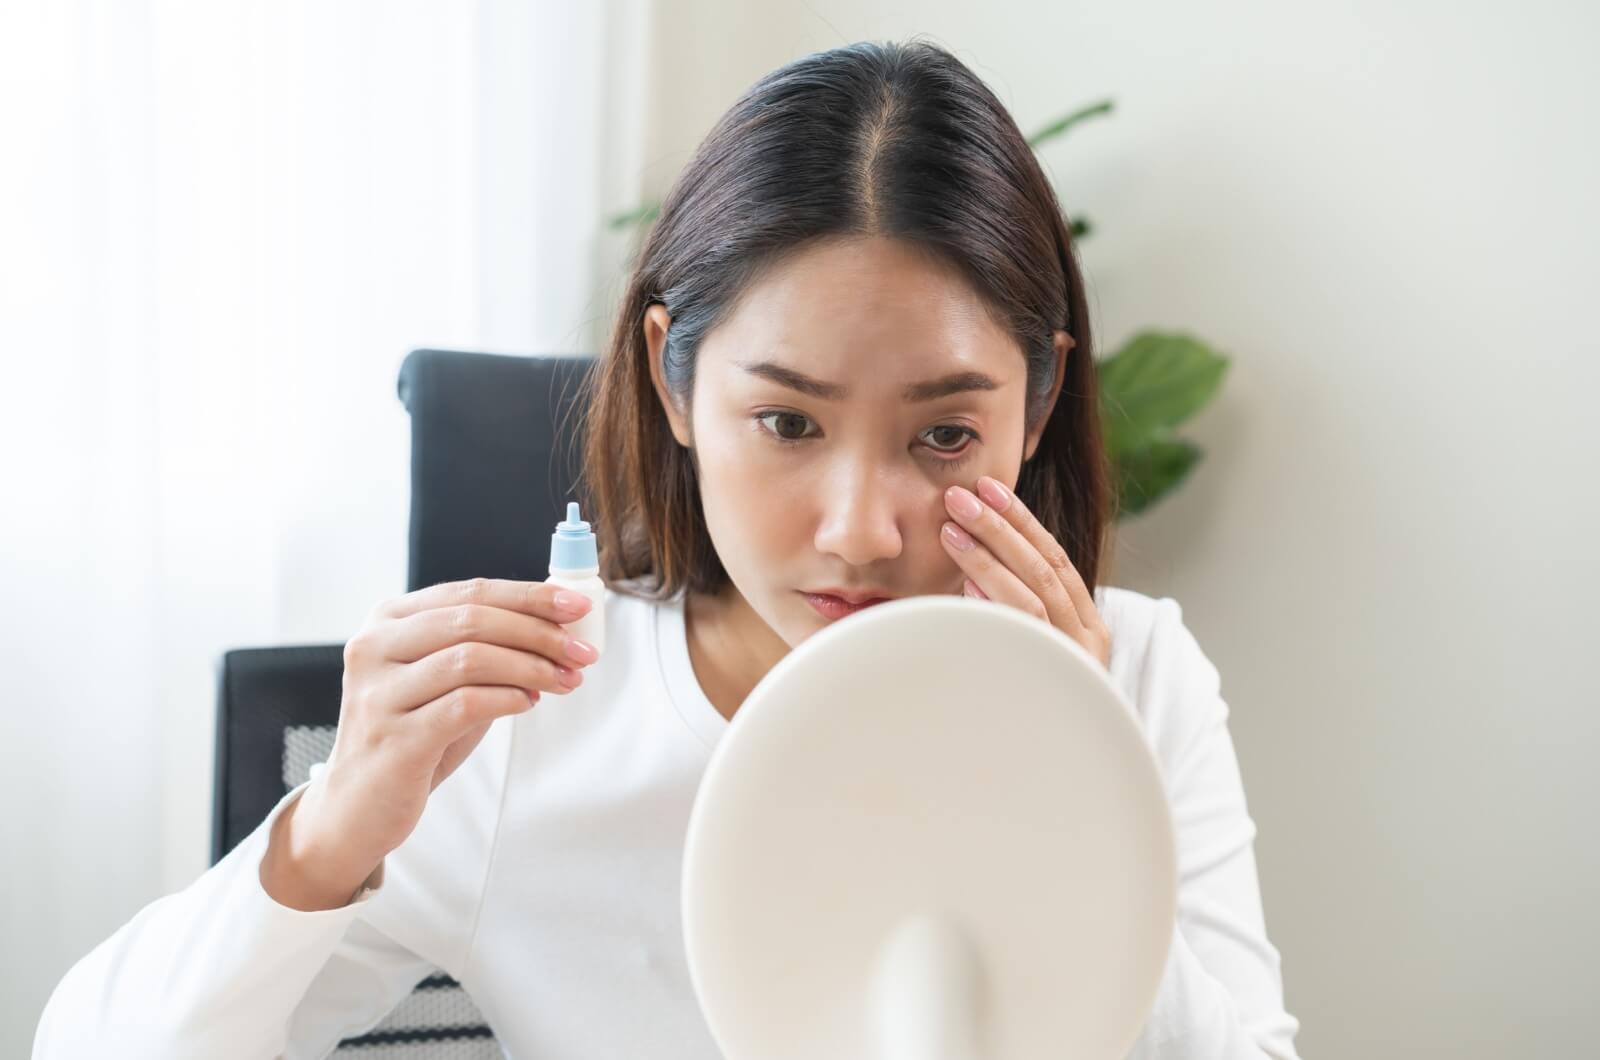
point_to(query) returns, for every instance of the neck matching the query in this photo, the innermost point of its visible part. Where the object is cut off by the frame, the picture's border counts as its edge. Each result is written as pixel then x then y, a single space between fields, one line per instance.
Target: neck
pixel 730 646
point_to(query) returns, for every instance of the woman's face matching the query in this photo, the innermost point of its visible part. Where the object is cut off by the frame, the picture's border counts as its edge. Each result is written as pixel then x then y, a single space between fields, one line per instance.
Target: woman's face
pixel 821 464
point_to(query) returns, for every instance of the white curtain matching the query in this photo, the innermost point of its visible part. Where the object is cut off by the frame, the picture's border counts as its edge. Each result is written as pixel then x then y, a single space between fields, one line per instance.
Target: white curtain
pixel 222 226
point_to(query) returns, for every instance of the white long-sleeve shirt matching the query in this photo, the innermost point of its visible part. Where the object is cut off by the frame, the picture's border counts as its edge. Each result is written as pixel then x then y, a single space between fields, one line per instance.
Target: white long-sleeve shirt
pixel 544 876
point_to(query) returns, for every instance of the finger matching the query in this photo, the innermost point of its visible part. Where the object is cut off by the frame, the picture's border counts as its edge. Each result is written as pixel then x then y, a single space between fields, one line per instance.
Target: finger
pixel 417 636
pixel 993 578
pixel 460 710
pixel 530 598
pixel 474 663
pixel 1008 544
pixel 1006 504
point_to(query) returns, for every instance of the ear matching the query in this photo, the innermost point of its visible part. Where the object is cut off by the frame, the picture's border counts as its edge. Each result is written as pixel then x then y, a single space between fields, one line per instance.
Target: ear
pixel 656 323
pixel 1063 344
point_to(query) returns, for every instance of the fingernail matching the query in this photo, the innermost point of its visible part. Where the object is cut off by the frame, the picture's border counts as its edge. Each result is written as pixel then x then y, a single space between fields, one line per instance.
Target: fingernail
pixel 958 537
pixel 577 603
pixel 569 677
pixel 963 503
pixel 581 650
pixel 994 495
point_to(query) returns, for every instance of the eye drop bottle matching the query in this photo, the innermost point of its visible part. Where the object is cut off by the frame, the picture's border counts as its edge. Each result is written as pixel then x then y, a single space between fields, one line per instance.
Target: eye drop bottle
pixel 575 565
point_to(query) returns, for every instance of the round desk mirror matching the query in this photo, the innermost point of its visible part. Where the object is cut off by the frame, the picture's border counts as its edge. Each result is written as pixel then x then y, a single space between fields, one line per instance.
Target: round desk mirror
pixel 933 831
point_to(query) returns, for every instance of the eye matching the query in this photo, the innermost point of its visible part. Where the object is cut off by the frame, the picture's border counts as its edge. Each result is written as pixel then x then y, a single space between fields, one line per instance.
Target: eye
pixel 790 427
pixel 787 418
pixel 960 434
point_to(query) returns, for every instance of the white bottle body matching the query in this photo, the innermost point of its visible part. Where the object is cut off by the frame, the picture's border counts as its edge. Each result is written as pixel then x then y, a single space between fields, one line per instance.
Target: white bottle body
pixel 592 626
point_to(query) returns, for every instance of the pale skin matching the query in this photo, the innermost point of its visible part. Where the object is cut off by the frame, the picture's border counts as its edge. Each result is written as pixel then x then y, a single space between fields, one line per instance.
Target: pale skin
pixel 878 491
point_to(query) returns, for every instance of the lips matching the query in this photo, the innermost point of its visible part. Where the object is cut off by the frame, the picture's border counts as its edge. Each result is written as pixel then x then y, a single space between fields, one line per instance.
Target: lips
pixel 833 605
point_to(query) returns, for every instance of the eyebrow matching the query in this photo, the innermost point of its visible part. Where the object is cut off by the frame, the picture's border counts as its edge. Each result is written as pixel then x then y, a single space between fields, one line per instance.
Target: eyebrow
pixel 930 390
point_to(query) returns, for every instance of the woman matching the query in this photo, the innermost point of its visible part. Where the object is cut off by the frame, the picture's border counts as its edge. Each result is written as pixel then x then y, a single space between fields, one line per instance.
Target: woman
pixel 853 363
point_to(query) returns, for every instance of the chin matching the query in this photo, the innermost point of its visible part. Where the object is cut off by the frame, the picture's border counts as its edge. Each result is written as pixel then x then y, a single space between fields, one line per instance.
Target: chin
pixel 791 620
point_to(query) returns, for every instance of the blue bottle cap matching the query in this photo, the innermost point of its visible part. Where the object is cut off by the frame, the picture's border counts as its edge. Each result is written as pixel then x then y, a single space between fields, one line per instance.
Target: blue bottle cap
pixel 572 546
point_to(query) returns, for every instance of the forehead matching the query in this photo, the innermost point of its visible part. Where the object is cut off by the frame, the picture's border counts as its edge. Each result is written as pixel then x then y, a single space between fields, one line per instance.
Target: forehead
pixel 860 309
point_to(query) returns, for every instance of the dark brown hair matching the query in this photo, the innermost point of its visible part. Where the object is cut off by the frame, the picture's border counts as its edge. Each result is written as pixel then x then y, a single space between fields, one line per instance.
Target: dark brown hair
pixel 899 140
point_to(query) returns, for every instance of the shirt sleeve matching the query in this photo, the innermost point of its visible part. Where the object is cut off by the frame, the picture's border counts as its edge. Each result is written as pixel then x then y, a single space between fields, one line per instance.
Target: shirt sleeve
pixel 1221 994
pixel 220 968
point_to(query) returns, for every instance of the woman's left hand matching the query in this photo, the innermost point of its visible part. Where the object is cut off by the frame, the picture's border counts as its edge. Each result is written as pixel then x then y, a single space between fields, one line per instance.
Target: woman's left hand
pixel 1009 557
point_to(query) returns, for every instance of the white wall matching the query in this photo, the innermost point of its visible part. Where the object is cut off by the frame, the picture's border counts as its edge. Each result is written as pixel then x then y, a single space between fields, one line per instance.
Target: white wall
pixel 1386 214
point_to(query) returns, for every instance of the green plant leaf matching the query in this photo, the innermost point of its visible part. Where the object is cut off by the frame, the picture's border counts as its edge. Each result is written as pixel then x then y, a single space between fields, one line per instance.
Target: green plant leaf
pixel 639 215
pixel 1148 473
pixel 1067 121
pixel 1152 384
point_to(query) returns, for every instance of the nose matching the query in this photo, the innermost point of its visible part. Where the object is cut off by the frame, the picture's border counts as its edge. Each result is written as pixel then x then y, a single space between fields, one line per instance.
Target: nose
pixel 860 522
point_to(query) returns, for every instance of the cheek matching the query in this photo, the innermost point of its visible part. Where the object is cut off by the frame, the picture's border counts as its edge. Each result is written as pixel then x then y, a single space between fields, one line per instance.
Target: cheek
pixel 740 496
pixel 730 474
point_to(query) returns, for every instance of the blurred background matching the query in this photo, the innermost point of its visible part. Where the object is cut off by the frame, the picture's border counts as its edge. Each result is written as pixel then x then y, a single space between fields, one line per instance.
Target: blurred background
pixel 223 224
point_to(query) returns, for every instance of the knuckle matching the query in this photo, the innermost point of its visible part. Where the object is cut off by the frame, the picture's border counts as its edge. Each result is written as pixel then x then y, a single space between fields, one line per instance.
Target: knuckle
pixel 356 651
pixel 463 659
pixel 1040 572
pixel 452 710
pixel 466 621
pixel 475 590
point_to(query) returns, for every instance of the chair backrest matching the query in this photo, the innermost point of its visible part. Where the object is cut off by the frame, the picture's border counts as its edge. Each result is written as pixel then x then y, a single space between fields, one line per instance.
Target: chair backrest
pixel 495 448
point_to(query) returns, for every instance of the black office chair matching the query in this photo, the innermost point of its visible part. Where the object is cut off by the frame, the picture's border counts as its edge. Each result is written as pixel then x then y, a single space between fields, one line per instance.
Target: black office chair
pixel 495 455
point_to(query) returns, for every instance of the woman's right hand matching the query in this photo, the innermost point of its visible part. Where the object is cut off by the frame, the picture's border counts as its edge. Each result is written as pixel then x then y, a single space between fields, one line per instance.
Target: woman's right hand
pixel 424 678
